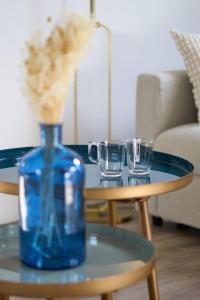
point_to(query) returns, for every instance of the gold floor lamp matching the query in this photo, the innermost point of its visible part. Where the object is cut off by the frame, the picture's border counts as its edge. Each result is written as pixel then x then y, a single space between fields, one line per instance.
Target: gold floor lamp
pixel 98 212
pixel 109 71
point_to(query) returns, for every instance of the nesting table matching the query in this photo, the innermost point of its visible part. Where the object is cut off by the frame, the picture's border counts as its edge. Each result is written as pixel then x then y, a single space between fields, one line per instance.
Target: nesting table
pixel 116 258
pixel 168 174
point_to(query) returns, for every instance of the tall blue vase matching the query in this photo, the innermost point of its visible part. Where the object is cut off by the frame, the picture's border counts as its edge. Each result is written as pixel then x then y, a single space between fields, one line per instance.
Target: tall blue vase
pixel 52 225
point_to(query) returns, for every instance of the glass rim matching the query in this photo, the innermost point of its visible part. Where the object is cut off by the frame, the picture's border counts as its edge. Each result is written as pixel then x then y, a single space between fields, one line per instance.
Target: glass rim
pixel 140 140
pixel 111 142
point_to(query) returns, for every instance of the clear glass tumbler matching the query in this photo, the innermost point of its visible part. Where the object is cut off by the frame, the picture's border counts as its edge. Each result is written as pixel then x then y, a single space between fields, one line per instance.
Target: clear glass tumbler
pixel 139 155
pixel 110 156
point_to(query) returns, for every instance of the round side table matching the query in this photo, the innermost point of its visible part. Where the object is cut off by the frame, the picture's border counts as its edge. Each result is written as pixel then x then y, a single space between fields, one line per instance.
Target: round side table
pixel 168 173
pixel 116 258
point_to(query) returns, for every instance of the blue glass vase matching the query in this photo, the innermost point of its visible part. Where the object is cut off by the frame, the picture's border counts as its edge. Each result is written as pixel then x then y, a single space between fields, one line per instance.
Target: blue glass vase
pixel 52 224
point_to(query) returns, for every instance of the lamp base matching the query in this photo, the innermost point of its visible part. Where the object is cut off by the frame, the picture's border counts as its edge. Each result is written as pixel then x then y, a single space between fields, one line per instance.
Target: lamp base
pixel 98 212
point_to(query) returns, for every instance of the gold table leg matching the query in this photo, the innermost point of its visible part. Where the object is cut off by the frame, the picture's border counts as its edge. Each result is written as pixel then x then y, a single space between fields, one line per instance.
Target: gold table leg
pixel 112 213
pixel 147 232
pixel 106 296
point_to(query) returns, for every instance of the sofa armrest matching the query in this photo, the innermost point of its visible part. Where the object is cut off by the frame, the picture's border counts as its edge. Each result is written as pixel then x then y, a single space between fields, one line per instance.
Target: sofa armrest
pixel 164 100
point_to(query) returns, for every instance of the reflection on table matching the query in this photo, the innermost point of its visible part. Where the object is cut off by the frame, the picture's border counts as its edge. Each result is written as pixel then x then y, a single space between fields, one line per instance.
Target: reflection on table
pixel 138 179
pixel 106 182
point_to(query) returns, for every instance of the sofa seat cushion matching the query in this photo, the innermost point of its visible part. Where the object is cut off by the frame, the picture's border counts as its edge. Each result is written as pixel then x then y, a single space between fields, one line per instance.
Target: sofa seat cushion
pixel 183 141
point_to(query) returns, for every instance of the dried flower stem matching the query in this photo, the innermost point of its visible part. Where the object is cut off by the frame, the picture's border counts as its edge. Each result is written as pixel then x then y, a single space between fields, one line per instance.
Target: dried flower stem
pixel 49 68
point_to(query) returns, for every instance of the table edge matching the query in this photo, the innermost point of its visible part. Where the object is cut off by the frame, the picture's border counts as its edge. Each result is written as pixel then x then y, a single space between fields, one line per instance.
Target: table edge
pixel 88 288
pixel 119 193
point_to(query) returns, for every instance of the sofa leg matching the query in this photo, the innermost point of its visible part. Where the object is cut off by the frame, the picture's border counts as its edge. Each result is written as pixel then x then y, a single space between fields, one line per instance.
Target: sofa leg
pixel 182 226
pixel 157 221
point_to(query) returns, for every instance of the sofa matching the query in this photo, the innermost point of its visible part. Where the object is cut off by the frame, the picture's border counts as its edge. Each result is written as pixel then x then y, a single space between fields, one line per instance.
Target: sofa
pixel 165 111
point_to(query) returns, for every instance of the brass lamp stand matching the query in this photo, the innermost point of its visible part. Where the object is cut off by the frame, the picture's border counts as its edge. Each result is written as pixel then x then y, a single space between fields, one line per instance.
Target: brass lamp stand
pixel 98 212
pixel 109 75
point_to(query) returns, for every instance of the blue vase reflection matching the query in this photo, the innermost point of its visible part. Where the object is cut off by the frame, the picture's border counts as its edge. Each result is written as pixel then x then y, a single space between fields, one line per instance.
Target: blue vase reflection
pixel 138 180
pixel 64 276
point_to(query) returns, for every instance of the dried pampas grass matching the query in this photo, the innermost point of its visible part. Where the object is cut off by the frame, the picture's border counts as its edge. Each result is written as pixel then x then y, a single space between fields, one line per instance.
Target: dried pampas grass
pixel 50 67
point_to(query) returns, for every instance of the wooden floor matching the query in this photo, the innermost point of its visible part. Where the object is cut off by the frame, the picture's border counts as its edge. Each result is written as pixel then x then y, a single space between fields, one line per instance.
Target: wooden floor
pixel 178 264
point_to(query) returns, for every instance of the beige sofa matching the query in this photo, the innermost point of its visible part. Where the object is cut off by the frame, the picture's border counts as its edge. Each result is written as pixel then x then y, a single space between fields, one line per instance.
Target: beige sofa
pixel 166 113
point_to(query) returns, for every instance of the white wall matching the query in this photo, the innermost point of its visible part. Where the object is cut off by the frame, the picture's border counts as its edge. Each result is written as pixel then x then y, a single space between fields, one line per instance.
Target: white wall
pixel 141 43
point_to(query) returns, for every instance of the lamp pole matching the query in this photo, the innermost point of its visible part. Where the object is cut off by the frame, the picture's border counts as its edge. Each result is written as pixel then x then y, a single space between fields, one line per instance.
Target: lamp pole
pixel 109 76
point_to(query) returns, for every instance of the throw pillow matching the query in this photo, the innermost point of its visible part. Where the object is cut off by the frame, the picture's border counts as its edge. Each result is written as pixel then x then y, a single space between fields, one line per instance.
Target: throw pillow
pixel 189 47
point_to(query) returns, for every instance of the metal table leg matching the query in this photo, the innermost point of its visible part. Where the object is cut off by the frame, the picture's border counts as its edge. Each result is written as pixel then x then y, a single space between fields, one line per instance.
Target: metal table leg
pixel 147 232
pixel 106 296
pixel 112 208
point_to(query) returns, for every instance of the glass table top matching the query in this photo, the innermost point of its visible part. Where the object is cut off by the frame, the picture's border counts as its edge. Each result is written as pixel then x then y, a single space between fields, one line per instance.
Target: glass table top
pixel 110 252
pixel 165 167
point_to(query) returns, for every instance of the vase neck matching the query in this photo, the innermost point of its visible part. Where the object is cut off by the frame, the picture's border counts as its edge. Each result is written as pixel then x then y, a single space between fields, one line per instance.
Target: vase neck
pixel 50 135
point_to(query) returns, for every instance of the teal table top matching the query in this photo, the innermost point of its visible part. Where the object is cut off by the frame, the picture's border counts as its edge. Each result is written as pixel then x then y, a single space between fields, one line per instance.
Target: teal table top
pixel 166 168
pixel 110 252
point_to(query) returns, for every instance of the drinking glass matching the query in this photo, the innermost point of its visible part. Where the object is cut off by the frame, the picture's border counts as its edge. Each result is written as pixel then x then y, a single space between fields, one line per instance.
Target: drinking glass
pixel 109 156
pixel 139 155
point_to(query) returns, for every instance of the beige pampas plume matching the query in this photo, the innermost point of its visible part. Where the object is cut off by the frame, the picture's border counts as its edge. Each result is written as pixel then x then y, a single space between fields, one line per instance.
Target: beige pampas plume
pixel 50 66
